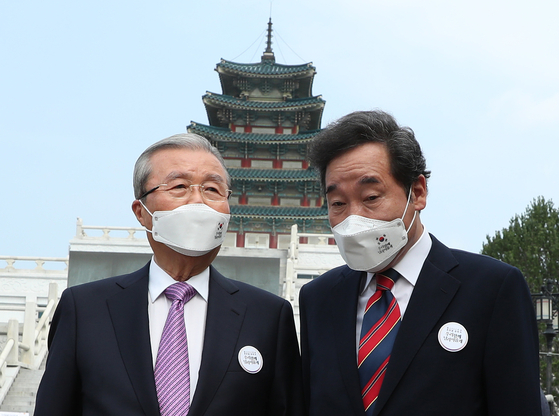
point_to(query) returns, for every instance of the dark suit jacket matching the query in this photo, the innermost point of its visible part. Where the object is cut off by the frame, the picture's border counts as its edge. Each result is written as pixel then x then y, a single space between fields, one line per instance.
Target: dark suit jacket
pixel 495 374
pixel 100 360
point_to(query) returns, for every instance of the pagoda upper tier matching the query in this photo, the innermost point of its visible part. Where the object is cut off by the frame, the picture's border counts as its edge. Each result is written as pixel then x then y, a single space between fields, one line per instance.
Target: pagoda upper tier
pixel 262 123
pixel 294 81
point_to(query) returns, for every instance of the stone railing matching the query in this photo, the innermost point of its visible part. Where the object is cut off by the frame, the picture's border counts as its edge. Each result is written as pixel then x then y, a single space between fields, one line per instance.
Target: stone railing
pixel 81 231
pixel 12 261
pixel 32 349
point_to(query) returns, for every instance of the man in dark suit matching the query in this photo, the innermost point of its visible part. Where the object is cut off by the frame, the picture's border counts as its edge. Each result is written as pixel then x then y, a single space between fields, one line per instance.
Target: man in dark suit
pixel 112 349
pixel 462 337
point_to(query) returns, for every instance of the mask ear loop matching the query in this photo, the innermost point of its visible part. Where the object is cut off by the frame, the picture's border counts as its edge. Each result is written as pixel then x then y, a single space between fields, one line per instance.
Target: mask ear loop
pixel 406 210
pixel 149 212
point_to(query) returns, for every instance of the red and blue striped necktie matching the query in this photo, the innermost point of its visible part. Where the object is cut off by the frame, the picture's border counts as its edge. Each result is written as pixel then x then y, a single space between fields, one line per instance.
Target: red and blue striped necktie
pixel 380 325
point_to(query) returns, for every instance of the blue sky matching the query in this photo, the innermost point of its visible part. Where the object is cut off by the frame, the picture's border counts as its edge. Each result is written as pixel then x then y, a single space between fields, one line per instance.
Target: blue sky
pixel 86 86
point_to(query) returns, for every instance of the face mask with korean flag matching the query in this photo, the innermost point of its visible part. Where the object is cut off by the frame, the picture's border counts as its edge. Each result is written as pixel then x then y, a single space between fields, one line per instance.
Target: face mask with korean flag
pixel 191 229
pixel 370 245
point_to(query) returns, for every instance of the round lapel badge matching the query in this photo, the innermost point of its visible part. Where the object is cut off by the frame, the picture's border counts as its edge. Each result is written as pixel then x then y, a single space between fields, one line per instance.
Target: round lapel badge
pixel 250 359
pixel 453 337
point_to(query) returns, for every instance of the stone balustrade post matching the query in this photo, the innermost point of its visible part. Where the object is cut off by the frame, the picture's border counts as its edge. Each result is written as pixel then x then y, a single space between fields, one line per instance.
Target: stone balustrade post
pixel 13 333
pixel 28 339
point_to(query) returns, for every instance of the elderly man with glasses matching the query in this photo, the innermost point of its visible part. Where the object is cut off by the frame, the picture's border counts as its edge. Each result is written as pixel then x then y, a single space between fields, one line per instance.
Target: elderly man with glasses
pixel 175 337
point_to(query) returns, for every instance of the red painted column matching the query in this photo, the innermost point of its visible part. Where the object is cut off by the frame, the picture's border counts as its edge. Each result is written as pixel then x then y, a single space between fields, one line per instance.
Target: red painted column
pixel 277 164
pixel 240 240
pixel 305 164
pixel 305 202
pixel 275 200
pixel 245 163
pixel 273 241
pixel 243 199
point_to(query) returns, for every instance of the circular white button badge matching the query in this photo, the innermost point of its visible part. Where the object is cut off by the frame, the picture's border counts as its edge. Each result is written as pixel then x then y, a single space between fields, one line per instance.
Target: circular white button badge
pixel 453 337
pixel 250 359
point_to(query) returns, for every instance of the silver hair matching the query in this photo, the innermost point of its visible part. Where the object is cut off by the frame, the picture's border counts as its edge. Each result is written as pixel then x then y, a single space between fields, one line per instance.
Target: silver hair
pixel 190 141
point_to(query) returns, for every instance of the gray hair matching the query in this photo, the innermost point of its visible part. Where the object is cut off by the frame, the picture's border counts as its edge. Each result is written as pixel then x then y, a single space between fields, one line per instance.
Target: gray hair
pixel 189 141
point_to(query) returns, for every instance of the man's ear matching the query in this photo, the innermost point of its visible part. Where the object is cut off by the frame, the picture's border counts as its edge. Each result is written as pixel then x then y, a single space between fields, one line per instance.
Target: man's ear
pixel 137 210
pixel 419 193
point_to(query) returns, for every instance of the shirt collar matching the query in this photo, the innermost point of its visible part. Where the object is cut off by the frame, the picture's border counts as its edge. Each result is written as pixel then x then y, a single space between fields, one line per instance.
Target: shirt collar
pixel 411 264
pixel 159 280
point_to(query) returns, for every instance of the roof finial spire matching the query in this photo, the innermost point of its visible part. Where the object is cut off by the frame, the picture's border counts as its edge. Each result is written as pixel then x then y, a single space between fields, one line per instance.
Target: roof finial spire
pixel 268 53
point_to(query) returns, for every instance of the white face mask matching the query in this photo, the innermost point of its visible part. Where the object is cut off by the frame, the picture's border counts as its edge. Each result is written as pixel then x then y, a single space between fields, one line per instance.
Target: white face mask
pixel 192 229
pixel 370 245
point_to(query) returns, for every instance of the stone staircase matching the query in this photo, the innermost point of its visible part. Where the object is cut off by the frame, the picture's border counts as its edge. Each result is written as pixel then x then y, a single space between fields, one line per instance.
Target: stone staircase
pixel 21 397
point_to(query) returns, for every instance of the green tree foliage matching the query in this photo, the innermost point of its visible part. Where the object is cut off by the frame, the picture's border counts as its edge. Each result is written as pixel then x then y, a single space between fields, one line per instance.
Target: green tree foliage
pixel 531 243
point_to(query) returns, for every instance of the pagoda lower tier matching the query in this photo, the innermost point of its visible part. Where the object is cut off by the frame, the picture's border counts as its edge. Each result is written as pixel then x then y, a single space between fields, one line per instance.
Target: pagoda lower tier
pixel 267 226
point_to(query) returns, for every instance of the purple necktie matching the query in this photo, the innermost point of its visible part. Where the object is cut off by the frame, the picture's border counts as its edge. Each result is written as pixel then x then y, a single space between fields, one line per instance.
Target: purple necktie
pixel 172 368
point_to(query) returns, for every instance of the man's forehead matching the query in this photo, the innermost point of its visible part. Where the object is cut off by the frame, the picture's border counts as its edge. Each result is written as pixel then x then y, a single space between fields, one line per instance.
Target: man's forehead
pixel 175 163
pixel 364 180
pixel 188 175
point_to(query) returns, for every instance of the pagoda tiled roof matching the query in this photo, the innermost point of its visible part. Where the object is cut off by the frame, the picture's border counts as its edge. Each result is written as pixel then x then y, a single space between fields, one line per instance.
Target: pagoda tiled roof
pixel 279 212
pixel 242 104
pixel 266 69
pixel 289 175
pixel 224 134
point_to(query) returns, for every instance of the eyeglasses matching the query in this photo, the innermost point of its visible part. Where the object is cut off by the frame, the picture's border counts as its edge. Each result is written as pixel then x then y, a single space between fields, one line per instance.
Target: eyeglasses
pixel 211 192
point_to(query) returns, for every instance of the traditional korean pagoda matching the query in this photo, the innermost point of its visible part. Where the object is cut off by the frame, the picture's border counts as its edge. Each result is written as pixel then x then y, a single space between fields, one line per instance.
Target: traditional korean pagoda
pixel 262 123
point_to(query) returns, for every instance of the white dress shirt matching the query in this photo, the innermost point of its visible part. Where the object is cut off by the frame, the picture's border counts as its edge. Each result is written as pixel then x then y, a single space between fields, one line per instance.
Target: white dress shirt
pixel 409 268
pixel 195 312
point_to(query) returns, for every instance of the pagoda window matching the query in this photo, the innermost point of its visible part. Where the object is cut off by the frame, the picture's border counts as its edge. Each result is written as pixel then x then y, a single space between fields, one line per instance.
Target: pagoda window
pixel 263 130
pixel 292 164
pixel 265 86
pixel 302 119
pixel 232 163
pixel 288 86
pixel 243 84
pixel 262 164
pixel 225 115
pixel 290 202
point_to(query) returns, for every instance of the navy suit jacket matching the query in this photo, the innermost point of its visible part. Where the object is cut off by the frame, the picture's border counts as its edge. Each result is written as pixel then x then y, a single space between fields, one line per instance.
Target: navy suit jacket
pixel 495 374
pixel 100 360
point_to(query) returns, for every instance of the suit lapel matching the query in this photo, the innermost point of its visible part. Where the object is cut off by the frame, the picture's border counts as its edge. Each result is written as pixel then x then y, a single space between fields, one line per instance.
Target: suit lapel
pixel 223 325
pixel 129 314
pixel 437 287
pixel 343 309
